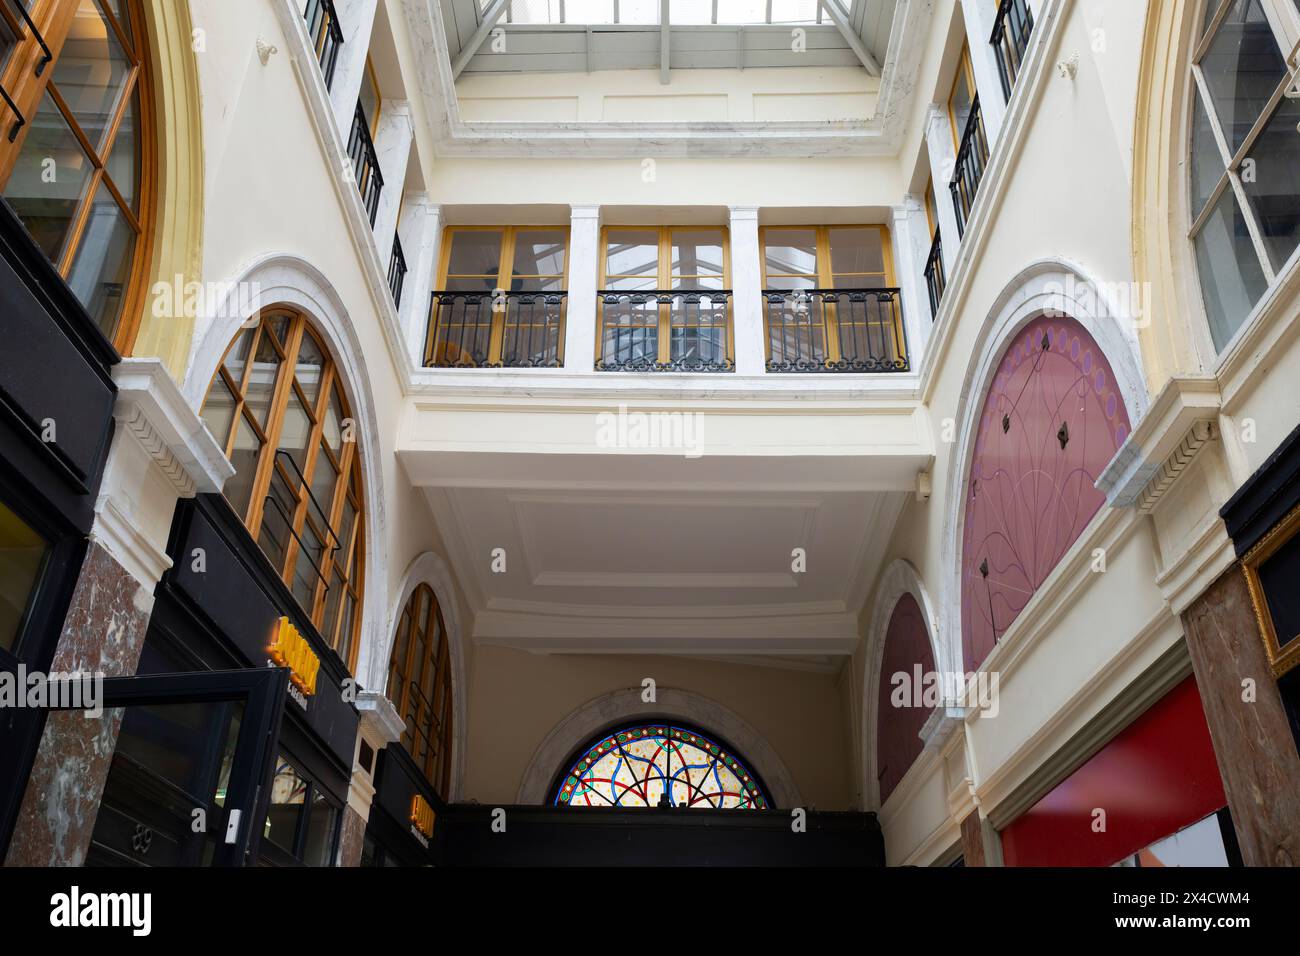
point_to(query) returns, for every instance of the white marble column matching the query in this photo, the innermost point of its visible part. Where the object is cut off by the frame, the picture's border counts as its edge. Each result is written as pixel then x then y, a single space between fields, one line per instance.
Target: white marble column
pixel 943 158
pixel 911 237
pixel 584 272
pixel 421 234
pixel 979 16
pixel 747 291
pixel 393 150
pixel 357 19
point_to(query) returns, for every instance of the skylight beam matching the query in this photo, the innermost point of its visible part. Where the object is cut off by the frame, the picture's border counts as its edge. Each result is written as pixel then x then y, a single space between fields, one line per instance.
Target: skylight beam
pixel 841 21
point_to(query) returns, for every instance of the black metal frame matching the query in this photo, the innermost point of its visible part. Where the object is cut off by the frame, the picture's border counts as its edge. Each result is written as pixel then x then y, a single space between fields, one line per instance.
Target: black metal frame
pixel 935 278
pixel 972 157
pixel 365 163
pixel 803 311
pixel 635 357
pixel 1012 29
pixel 327 35
pixel 517 351
pixel 397 269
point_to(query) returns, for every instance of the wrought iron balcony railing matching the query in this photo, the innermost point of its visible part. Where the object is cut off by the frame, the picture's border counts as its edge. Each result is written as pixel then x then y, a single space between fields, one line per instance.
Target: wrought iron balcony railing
pixel 326 35
pixel 365 163
pixel 835 330
pixel 665 330
pixel 1011 31
pixel 496 330
pixel 935 280
pixel 972 158
pixel 397 271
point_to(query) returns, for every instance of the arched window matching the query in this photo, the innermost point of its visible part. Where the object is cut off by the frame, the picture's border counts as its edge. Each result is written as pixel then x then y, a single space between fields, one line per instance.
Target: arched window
pixel 1052 420
pixel 1245 156
pixel 76 156
pixel 419 685
pixel 900 713
pixel 659 764
pixel 278 407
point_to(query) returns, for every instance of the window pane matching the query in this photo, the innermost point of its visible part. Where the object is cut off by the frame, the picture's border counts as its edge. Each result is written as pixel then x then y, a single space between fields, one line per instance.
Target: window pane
pixel 959 103
pixel 1273 187
pixel 743 11
pixel 1232 279
pixel 237 357
pixel 1242 69
pixel 791 282
pixel 322 487
pixel 92 71
pixel 49 179
pixel 697 253
pixel 102 266
pixel 320 832
pixel 288 791
pixel 475 252
pixel 261 384
pixel 308 367
pixel 22 556
pixel 1208 163
pixel 295 432
pixel 632 253
pixel 857 250
pixel 791 251
pixel 219 410
pixel 239 487
pixel 305 574
pixel 539 252
pixel 691 11
pixel 333 425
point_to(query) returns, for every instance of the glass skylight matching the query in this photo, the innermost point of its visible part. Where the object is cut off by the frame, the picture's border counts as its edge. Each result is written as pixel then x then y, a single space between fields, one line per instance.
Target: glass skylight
pixel 646 12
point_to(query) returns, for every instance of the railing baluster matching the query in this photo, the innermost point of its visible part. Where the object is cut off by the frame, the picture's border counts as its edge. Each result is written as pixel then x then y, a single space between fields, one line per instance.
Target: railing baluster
pixel 397 271
pixel 326 34
pixel 1011 32
pixel 868 324
pixel 972 156
pixel 697 334
pixel 530 323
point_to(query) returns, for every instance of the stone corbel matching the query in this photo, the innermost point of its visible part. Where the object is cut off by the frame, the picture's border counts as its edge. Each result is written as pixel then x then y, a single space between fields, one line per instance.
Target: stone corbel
pixel 381 724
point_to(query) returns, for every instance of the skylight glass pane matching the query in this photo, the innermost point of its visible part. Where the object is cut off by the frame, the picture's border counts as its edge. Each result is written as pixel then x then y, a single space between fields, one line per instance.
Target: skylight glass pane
pixel 638 11
pixel 691 11
pixel 646 12
pixel 588 11
pixel 742 11
pixel 795 11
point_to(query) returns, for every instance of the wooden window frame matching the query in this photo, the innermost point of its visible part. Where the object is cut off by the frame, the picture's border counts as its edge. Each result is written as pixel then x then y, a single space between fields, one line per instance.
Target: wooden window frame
pixel 372 77
pixel 664 280
pixel 825 276
pixel 54 20
pixel 504 279
pixel 964 69
pixel 435 664
pixel 344 565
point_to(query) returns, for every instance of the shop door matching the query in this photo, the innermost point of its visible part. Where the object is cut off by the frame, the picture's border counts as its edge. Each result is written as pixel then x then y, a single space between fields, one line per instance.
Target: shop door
pixel 185 781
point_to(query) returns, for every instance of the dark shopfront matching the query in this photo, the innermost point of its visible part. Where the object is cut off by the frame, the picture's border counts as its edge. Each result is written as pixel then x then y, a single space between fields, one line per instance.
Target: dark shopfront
pixel 222 759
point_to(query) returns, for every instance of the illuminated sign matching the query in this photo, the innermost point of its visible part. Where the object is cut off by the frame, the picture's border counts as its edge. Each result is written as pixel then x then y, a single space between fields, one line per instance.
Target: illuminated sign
pixel 422 815
pixel 290 649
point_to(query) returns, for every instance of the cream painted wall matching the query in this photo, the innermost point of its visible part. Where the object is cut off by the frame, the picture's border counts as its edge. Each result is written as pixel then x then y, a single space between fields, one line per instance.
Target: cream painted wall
pixel 516 698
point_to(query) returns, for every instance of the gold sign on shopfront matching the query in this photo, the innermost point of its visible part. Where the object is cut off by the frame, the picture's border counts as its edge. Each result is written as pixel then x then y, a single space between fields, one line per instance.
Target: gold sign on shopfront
pixel 290 649
pixel 422 815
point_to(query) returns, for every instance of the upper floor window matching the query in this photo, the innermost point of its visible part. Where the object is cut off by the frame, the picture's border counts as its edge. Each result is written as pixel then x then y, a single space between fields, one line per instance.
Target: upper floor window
pixel 659 764
pixel 501 299
pixel 278 407
pixel 830 299
pixel 1245 156
pixel 962 97
pixel 665 300
pixel 419 685
pixel 75 158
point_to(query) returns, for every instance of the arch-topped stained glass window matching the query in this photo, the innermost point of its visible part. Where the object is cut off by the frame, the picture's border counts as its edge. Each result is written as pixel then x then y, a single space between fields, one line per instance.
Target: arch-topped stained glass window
pixel 660 764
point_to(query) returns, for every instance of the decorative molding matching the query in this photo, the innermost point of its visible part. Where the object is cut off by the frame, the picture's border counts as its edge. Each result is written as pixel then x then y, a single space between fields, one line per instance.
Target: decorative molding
pixel 117 531
pixel 380 721
pixel 1200 434
pixel 626 705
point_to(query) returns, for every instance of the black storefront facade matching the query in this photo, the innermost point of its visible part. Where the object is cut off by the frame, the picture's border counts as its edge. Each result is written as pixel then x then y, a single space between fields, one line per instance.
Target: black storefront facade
pixel 227 761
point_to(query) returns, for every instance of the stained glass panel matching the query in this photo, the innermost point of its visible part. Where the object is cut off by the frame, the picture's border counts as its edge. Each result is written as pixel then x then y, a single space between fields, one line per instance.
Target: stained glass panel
pixel 660 765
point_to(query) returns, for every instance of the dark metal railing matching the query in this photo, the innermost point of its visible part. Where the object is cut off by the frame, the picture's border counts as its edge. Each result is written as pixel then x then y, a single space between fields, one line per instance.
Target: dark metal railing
pixel 835 330
pixel 528 328
pixel 972 158
pixel 397 271
pixel 365 163
pixel 1011 31
pixel 935 280
pixel 326 35
pixel 698 325
pixel 19 119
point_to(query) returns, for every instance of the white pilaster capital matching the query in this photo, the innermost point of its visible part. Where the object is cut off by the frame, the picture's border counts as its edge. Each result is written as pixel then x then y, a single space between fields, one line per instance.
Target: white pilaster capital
pixel 906 209
pixel 585 211
pixel 743 213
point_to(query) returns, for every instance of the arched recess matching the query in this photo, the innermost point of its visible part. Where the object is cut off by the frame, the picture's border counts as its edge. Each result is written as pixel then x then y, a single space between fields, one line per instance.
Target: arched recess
pixel 286 280
pixel 623 706
pixel 176 251
pixel 429 568
pixel 899 580
pixel 1045 291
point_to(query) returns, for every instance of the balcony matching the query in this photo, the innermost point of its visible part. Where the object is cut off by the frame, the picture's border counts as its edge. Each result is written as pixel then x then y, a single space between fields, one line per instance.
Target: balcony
pixel 365 163
pixel 665 330
pixel 835 330
pixel 935 279
pixel 326 35
pixel 972 158
pixel 496 330
pixel 1011 32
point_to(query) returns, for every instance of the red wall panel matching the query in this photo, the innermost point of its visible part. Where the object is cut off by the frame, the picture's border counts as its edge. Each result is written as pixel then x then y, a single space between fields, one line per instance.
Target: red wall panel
pixel 898 741
pixel 1158 776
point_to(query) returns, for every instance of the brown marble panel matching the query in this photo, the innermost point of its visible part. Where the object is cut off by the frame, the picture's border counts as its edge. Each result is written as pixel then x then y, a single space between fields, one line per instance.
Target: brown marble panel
pixel 1252 739
pixel 352 838
pixel 103 632
pixel 972 840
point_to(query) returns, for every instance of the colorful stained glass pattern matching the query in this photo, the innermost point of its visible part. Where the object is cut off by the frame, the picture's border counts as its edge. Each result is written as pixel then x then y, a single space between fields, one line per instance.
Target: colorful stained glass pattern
pixel 660 765
pixel 1052 421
